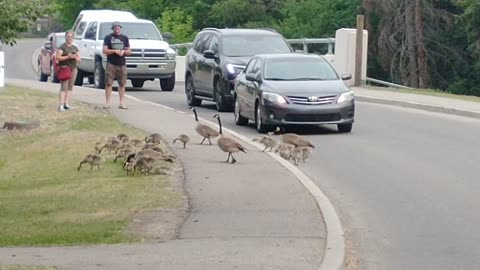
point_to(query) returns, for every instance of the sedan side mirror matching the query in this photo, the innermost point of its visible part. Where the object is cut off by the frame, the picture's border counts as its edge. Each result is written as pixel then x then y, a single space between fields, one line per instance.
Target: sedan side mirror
pixel 47 45
pixel 346 76
pixel 209 54
pixel 252 77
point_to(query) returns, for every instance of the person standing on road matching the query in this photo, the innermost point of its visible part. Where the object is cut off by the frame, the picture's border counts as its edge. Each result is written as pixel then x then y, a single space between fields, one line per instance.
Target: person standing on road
pixel 67 55
pixel 116 46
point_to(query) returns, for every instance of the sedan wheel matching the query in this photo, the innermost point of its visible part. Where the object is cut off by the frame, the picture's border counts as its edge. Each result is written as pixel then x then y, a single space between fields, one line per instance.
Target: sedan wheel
pixel 239 120
pixel 261 128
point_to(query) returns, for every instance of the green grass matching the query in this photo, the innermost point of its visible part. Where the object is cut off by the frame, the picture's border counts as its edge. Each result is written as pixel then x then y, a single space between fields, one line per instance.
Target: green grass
pixel 44 200
pixel 428 92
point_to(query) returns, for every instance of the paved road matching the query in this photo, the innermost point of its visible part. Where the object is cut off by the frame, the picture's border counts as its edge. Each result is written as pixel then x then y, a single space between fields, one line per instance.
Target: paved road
pixel 405 183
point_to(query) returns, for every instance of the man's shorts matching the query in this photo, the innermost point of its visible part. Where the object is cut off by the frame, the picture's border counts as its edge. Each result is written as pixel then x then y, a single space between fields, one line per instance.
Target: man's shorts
pixel 116 72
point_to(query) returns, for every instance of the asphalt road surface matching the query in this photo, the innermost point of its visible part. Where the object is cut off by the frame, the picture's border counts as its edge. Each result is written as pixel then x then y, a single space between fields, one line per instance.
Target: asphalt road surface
pixel 404 182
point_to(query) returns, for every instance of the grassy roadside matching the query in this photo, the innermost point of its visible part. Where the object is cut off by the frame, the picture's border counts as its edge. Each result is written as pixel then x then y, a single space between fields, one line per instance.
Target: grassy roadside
pixel 427 92
pixel 44 200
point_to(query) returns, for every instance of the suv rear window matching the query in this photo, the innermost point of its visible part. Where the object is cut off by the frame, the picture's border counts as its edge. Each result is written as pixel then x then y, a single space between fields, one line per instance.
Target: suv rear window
pixel 249 45
pixel 132 30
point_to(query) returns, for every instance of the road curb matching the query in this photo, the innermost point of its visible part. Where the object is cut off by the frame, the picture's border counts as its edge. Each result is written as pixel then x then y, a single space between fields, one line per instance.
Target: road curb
pixel 335 247
pixel 417 105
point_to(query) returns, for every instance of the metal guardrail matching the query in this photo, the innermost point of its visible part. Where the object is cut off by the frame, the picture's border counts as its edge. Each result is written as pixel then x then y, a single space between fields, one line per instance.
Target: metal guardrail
pixel 389 84
pixel 304 41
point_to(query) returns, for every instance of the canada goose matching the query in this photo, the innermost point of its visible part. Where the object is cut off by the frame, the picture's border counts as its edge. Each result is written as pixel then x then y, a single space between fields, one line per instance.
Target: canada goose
pixel 154 138
pixel 268 141
pixel 293 139
pixel 205 131
pixel 129 159
pixel 183 138
pixel 284 150
pixel 92 159
pixel 226 144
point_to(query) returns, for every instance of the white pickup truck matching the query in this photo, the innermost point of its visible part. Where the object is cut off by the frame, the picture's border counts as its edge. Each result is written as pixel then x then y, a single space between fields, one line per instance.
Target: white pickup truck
pixel 151 56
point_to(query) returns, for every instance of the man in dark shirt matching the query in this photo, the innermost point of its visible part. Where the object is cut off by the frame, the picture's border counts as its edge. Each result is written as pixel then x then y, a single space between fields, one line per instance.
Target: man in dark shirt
pixel 116 46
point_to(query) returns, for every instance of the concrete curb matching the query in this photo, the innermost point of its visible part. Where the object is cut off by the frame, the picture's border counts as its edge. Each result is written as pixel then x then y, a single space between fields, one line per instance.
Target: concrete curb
pixel 419 106
pixel 335 247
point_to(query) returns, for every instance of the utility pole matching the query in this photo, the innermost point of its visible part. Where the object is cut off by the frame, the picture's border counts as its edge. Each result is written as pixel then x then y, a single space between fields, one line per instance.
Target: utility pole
pixel 359 51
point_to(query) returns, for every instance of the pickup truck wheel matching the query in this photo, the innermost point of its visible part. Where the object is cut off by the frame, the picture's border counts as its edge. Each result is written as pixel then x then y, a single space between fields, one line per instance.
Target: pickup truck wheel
pixel 168 84
pixel 99 75
pixel 79 78
pixel 53 75
pixel 138 83
pixel 41 76
pixel 190 92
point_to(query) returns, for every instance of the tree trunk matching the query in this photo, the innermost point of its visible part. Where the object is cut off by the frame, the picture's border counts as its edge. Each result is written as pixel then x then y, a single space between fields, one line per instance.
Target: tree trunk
pixel 423 72
pixel 411 44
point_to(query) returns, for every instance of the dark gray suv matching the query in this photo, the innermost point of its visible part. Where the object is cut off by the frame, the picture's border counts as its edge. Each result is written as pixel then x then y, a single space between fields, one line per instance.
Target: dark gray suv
pixel 219 55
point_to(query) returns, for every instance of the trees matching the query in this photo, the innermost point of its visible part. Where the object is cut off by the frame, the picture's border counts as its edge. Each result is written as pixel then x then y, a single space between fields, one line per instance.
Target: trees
pixel 18 16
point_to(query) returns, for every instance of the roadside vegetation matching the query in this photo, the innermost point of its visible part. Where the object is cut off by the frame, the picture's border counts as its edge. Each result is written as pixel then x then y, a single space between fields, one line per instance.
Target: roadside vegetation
pixel 44 200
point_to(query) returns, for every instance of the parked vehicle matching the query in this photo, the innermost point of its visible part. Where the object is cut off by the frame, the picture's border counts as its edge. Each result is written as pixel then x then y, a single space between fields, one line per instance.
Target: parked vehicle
pixel 46 58
pixel 219 55
pixel 151 56
pixel 292 89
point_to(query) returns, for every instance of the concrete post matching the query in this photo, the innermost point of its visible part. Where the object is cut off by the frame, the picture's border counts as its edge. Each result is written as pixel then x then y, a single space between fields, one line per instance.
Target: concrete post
pixel 358 51
pixel 2 69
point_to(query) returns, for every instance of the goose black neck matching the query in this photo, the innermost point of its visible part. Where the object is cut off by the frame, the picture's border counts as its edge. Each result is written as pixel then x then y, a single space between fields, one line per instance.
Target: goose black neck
pixel 195 113
pixel 220 124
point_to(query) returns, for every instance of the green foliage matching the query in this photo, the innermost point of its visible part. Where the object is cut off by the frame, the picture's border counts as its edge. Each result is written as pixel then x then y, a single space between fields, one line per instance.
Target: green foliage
pixel 18 16
pixel 177 22
pixel 67 10
pixel 317 18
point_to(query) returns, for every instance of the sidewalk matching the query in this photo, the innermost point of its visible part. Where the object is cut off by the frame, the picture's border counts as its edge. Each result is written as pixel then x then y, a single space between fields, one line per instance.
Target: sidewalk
pixel 254 214
pixel 423 102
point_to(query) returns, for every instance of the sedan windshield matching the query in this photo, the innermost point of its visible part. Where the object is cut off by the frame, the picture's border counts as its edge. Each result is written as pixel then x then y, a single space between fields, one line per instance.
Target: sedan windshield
pixel 298 69
pixel 253 44
pixel 133 30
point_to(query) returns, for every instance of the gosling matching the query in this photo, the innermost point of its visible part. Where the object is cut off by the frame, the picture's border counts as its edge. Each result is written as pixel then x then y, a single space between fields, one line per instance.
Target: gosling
pixel 268 141
pixel 226 144
pixel 203 130
pixel 182 138
pixel 284 150
pixel 293 139
pixel 92 159
pixel 136 142
pixel 123 154
pixel 154 138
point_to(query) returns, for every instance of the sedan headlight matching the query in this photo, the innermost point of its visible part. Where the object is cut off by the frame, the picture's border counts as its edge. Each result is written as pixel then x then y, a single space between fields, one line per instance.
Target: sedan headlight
pixel 347 96
pixel 274 98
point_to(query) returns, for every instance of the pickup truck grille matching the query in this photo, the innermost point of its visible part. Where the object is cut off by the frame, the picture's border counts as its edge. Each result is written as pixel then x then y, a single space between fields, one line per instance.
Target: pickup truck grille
pixel 146 54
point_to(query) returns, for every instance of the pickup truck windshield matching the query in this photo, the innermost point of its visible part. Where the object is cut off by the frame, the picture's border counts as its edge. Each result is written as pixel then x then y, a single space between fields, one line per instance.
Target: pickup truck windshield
pixel 132 30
